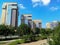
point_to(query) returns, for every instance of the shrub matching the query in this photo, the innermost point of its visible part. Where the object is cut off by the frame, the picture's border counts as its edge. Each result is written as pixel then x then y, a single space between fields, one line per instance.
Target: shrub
pixel 26 38
pixel 43 37
pixel 37 38
pixel 51 42
pixel 20 41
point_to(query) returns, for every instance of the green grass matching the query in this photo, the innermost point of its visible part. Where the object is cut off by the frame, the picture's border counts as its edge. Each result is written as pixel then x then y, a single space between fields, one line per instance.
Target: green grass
pixel 17 42
pixel 1 43
pixel 13 43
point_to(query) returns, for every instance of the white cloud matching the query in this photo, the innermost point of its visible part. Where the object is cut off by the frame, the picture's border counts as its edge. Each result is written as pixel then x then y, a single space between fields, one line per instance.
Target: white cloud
pixel 40 2
pixel 34 1
pixel 45 2
pixel 22 6
pixel 35 5
pixel 54 8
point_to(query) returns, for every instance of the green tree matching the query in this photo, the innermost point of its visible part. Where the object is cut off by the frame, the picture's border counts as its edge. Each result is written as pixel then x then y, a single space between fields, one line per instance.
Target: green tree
pixel 24 29
pixel 7 30
pixel 12 30
pixel 43 31
pixel 4 30
pixel 56 36
pixel 37 31
pixel 48 32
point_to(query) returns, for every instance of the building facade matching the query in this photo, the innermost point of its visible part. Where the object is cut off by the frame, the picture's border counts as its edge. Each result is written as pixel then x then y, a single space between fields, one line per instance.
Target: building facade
pixel 10 14
pixel 52 24
pixel 26 19
pixel 37 24
pixel 48 25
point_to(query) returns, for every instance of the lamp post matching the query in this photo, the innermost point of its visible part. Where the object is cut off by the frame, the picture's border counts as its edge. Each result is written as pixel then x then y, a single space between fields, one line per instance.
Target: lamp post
pixel 15 31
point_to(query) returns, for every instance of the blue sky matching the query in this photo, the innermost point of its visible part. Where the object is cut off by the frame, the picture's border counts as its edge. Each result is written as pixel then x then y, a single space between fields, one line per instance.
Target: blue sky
pixel 45 10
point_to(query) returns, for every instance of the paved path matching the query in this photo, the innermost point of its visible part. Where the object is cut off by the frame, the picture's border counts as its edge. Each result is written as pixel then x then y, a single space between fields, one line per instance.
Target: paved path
pixel 40 42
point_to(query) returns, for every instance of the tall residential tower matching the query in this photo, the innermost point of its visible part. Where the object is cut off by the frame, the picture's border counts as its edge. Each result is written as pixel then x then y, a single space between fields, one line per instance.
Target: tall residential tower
pixel 51 25
pixel 26 19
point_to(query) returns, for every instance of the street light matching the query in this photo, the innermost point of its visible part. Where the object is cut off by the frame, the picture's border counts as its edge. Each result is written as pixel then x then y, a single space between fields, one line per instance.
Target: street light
pixel 15 31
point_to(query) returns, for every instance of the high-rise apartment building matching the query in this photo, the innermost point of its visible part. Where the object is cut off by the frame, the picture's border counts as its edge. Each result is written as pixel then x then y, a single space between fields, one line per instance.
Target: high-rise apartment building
pixel 26 19
pixel 51 25
pixel 37 24
pixel 54 24
pixel 48 25
pixel 10 14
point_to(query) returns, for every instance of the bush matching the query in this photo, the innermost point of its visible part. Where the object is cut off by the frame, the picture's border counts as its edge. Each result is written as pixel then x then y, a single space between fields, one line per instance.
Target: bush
pixel 20 41
pixel 43 37
pixel 35 37
pixel 30 38
pixel 51 42
pixel 26 38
